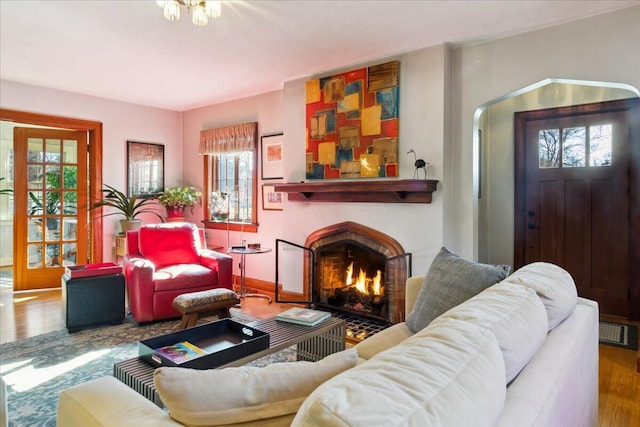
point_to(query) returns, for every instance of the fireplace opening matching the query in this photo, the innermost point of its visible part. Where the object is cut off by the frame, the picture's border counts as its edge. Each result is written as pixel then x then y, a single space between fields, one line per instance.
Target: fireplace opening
pixel 351 279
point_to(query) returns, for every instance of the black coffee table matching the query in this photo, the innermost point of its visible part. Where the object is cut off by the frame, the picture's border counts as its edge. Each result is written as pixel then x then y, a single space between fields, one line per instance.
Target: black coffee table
pixel 312 344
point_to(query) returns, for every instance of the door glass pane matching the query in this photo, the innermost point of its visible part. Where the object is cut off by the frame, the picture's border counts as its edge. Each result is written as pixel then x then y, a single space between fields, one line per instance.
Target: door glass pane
pixel 69 229
pixel 34 256
pixel 52 154
pixel 70 255
pixel 34 176
pixel 600 145
pixel 36 148
pixel 53 255
pixel 574 141
pixel 69 151
pixel 549 148
pixel 35 231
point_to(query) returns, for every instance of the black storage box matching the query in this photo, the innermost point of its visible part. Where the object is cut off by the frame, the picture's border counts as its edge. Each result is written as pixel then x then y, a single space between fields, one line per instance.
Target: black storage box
pixel 92 300
pixel 223 341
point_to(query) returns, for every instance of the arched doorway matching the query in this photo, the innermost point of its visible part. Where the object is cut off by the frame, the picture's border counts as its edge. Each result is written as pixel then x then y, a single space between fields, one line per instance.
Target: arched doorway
pixel 494 132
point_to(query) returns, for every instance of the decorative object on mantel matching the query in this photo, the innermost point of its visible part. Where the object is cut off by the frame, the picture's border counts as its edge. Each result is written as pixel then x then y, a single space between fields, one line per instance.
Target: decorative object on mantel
pixel 130 207
pixel 200 10
pixel 176 199
pixel 352 124
pixel 418 164
pixel 388 191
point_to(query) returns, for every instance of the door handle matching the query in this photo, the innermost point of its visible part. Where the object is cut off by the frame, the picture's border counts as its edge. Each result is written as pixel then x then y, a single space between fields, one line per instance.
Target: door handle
pixel 531 213
pixel 531 226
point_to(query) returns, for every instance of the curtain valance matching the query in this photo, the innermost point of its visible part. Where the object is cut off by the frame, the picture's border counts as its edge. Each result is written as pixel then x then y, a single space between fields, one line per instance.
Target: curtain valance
pixel 229 139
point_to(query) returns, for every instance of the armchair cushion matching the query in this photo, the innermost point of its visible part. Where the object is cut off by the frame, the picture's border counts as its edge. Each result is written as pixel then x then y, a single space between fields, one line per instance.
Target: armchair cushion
pixel 181 245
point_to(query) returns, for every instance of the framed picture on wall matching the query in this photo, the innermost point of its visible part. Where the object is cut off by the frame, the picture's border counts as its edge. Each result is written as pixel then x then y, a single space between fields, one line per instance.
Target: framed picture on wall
pixel 271 199
pixel 271 149
pixel 145 169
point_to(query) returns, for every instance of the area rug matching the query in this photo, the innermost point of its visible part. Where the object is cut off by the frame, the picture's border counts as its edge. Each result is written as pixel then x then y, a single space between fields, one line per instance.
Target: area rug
pixel 36 369
pixel 619 335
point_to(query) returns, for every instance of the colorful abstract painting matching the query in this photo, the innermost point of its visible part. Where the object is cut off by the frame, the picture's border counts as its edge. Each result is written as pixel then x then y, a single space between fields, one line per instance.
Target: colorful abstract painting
pixel 352 124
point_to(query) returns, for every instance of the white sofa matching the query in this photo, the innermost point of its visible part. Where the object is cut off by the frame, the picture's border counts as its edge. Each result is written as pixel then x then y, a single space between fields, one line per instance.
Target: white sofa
pixel 523 352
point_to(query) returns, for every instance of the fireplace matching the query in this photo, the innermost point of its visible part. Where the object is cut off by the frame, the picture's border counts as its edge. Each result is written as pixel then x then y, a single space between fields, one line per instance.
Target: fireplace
pixel 360 273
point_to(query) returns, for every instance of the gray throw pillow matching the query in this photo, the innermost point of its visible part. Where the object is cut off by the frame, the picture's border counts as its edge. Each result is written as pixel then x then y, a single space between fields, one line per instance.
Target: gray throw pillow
pixel 450 281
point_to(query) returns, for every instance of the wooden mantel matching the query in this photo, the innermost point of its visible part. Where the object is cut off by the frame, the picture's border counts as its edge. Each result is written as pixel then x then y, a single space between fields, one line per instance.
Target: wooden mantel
pixel 389 191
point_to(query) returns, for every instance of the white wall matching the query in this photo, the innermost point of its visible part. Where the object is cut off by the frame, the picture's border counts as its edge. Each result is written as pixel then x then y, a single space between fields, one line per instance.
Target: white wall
pixel 265 109
pixel 602 48
pixel 121 122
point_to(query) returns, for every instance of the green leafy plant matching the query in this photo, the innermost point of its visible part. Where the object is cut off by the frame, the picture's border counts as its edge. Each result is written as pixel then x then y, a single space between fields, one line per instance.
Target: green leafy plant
pixel 52 205
pixel 186 196
pixel 130 207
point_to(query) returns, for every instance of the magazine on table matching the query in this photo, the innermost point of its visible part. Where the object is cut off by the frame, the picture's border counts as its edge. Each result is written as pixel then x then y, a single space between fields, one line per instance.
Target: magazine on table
pixel 180 352
pixel 303 316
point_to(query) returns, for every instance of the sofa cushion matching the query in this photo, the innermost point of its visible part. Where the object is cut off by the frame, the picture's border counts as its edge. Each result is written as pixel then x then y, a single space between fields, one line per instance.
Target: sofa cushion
pixel 554 286
pixel 171 243
pixel 244 394
pixel 449 375
pixel 450 281
pixel 383 340
pixel 514 314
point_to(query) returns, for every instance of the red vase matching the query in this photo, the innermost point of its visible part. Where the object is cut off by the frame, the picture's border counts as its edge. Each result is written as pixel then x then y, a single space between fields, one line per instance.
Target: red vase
pixel 175 211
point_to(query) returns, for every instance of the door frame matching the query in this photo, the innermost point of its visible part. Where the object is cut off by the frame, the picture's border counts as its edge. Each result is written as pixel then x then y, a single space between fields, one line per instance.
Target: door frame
pixel 94 139
pixel 632 107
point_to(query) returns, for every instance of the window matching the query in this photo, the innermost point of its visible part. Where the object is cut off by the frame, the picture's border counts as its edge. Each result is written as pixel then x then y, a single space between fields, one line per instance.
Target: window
pixel 572 144
pixel 230 177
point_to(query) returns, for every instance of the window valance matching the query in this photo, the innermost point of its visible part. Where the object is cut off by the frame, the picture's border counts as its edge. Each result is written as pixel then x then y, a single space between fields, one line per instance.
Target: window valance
pixel 229 139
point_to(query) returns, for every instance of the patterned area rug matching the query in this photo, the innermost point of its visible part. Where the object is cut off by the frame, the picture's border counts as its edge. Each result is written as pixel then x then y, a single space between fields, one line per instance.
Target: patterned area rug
pixel 619 335
pixel 38 368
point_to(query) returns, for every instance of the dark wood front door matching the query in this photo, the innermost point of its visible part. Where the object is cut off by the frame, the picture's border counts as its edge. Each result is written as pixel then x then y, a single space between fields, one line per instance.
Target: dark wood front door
pixel 574 186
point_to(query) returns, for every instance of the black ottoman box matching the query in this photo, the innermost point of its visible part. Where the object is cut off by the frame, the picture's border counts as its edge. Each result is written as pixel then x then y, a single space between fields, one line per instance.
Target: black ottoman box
pixel 92 300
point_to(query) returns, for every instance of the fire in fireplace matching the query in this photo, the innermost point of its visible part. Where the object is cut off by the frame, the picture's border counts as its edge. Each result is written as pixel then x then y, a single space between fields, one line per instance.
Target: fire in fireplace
pixel 351 278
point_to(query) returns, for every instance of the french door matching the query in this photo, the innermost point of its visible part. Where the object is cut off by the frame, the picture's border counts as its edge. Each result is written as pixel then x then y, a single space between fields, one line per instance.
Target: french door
pixel 50 193
pixel 574 195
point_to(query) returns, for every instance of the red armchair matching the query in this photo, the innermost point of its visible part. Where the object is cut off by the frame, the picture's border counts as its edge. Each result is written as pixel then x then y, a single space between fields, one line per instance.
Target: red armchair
pixel 167 260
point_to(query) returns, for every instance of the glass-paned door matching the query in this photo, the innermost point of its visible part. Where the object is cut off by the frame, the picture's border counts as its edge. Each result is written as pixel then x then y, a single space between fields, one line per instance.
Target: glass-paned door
pixel 50 205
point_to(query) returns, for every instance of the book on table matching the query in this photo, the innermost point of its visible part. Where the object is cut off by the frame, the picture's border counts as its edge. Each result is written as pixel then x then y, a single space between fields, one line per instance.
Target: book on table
pixel 180 352
pixel 303 316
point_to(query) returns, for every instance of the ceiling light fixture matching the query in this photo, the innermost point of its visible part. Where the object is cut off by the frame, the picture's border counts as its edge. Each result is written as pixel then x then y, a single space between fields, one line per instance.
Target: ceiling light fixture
pixel 200 10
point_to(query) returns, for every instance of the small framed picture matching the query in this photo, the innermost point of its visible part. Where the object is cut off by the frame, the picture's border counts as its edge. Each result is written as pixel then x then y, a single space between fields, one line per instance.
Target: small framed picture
pixel 271 199
pixel 271 147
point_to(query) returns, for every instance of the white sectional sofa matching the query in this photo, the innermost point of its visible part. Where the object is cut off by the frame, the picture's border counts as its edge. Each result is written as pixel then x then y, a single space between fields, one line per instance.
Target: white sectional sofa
pixel 522 352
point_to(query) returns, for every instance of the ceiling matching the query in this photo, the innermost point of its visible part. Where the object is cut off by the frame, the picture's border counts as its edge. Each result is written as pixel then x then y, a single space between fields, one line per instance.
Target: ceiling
pixel 127 51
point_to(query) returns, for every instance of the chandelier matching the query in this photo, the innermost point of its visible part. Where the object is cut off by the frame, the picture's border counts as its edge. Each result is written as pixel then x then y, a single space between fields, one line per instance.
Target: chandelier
pixel 200 10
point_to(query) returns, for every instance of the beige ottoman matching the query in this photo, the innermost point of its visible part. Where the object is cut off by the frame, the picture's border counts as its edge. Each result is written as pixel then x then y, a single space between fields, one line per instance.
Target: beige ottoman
pixel 195 305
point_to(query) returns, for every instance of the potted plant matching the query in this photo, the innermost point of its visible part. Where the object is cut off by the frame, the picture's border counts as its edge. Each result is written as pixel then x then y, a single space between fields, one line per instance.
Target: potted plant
pixel 130 207
pixel 176 199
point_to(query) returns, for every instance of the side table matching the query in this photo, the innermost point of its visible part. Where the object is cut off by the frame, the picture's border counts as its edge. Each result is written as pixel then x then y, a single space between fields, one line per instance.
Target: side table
pixel 243 252
pixel 92 300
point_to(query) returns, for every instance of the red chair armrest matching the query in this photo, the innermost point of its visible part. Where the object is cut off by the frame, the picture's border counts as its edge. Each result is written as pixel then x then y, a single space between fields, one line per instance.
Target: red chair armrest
pixel 139 274
pixel 220 262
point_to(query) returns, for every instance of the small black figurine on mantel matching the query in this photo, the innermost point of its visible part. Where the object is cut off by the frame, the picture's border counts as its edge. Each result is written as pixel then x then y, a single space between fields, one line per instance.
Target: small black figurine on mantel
pixel 419 164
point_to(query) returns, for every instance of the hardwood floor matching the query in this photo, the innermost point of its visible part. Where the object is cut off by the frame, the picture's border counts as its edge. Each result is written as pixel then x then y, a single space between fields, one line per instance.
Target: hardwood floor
pixel 27 314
